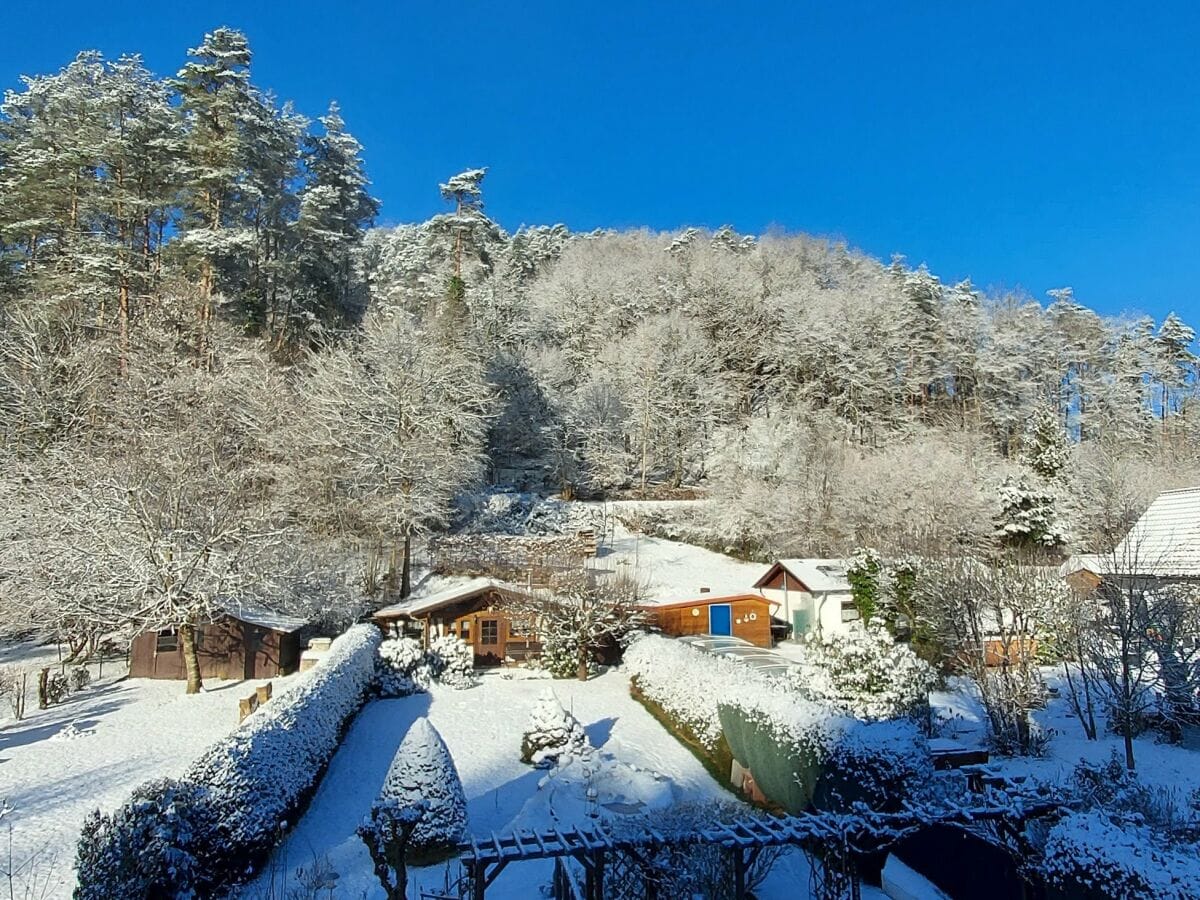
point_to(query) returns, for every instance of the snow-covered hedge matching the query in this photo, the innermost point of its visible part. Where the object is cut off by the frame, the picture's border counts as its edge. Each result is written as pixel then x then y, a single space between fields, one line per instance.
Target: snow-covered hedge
pixel 1087 855
pixel 255 782
pixel 802 751
pixel 805 753
pixel 688 684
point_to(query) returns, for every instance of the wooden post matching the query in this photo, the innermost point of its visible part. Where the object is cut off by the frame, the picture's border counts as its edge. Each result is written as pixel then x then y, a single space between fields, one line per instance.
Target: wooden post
pixel 263 692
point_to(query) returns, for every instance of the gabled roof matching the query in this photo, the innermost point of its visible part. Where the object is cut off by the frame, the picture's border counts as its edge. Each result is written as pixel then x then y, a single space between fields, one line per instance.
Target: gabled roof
pixel 419 606
pixel 708 600
pixel 1165 541
pixel 815 575
pixel 1095 563
pixel 263 617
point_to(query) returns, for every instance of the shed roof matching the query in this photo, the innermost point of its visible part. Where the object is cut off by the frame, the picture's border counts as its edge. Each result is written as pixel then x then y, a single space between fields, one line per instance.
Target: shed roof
pixel 418 606
pixel 816 575
pixel 709 600
pixel 1165 541
pixel 264 617
pixel 1095 563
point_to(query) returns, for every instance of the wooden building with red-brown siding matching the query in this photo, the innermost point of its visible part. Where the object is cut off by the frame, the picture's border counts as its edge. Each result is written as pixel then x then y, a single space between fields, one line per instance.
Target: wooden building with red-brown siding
pixel 247 644
pixel 747 616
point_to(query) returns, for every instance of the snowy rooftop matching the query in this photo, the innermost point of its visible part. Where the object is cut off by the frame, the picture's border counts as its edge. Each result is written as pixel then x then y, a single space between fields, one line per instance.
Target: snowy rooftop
pixel 264 617
pixel 1166 539
pixel 815 574
pixel 415 606
pixel 1085 562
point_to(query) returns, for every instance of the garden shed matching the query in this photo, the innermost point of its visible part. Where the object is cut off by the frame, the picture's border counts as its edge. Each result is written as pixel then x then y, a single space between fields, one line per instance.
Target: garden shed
pixel 813 595
pixel 244 642
pixel 478 612
pixel 747 616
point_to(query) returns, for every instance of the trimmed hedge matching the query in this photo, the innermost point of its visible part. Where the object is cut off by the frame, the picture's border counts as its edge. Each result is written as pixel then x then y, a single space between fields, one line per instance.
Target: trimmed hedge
pixel 223 817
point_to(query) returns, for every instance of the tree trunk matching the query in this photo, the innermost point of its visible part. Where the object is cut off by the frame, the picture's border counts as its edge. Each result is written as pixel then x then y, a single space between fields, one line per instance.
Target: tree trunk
pixel 191 660
pixel 582 672
pixel 406 567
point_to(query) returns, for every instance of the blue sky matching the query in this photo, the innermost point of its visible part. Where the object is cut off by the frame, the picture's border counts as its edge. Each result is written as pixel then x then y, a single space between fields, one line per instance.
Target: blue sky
pixel 1021 144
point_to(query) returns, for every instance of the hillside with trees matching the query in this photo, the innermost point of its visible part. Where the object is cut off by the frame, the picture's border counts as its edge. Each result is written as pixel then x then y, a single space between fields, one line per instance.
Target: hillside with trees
pixel 216 376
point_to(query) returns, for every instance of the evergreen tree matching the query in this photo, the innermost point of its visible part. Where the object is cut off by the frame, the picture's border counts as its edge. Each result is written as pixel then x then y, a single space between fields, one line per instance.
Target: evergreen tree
pixel 423 772
pixel 1046 448
pixel 335 208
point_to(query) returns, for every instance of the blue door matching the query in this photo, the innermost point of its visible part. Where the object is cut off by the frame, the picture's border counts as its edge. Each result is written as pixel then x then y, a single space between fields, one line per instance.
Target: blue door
pixel 720 619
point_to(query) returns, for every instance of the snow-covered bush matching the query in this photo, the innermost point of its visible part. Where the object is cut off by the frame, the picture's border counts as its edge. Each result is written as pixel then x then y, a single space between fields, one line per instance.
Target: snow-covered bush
pixel 865 672
pixel 402 668
pixel 560 655
pixel 159 844
pixel 451 661
pixel 1087 855
pixel 552 733
pixel 255 781
pixel 1124 838
pixel 688 684
pixel 423 772
pixel 387 832
pixel 57 688
pixel 79 678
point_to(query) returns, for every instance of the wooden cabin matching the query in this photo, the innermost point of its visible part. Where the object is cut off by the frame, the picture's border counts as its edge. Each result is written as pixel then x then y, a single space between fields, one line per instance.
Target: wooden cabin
pixel 747 616
pixel 245 642
pixel 478 613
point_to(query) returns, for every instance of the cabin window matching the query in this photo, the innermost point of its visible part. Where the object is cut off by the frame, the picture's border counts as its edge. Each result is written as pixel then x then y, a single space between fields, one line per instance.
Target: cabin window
pixel 465 630
pixel 489 631
pixel 167 642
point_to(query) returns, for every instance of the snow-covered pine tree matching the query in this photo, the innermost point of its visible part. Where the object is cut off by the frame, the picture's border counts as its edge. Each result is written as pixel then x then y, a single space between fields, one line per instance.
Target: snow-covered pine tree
pixel 1046 447
pixel 1029 514
pixel 552 733
pixel 423 771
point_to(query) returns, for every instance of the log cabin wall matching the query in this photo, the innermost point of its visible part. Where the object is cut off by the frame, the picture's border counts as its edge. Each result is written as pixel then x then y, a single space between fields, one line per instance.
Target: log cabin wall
pixel 750 618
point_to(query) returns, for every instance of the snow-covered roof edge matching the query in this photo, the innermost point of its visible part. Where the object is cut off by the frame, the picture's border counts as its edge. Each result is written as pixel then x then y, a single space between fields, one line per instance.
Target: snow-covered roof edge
pixel 264 617
pixel 414 606
pixel 821 575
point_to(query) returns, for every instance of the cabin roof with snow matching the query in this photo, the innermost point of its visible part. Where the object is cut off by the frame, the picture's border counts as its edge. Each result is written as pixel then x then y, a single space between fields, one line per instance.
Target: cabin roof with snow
pixel 1085 562
pixel 1165 541
pixel 253 614
pixel 818 576
pixel 420 606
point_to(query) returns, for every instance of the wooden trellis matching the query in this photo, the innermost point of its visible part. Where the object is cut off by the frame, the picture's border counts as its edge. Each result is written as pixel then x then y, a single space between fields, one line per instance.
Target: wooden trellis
pixel 592 847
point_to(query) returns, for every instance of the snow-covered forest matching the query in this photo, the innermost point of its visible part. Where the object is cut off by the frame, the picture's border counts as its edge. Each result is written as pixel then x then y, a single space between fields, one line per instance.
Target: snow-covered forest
pixel 214 373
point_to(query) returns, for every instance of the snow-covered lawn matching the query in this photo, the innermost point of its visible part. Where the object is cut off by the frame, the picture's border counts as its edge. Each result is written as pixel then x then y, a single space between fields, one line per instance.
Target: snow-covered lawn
pixel 58 764
pixel 639 763
pixel 1160 764
pixel 676 571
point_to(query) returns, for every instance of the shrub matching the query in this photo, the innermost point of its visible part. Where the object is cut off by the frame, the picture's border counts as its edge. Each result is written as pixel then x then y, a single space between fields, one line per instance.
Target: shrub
pixel 552 733
pixel 402 667
pixel 80 677
pixel 387 831
pixel 253 782
pixel 159 844
pixel 57 688
pixel 451 661
pixel 423 772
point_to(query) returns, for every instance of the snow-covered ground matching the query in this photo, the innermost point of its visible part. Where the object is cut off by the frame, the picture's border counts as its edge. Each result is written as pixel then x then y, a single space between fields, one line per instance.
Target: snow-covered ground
pixel 672 570
pixel 58 764
pixel 1166 765
pixel 639 765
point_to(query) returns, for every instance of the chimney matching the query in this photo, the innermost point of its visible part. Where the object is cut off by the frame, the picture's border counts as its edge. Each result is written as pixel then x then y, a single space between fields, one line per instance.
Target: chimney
pixel 704 590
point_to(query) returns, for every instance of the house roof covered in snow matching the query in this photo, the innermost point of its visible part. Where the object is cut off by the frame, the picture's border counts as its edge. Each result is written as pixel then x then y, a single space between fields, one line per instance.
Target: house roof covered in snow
pixel 419 606
pixel 816 575
pixel 263 617
pixel 1165 541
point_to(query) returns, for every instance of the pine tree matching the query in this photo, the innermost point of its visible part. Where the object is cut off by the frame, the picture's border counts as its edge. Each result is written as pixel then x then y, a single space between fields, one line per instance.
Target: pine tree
pixel 1174 342
pixel 1046 448
pixel 335 208
pixel 215 96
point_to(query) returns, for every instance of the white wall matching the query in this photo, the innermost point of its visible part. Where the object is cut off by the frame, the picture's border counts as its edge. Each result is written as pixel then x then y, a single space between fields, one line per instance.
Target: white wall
pixel 823 609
